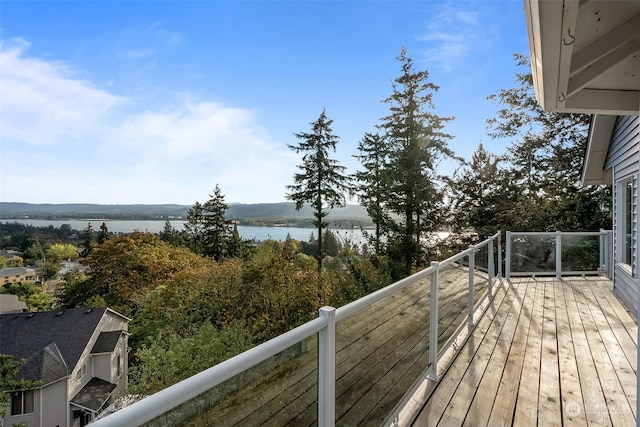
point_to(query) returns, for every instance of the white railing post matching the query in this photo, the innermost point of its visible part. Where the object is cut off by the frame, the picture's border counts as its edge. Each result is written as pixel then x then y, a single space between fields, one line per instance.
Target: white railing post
pixel 500 254
pixel 433 324
pixel 491 267
pixel 603 255
pixel 507 261
pixel 327 369
pixel 472 268
pixel 558 254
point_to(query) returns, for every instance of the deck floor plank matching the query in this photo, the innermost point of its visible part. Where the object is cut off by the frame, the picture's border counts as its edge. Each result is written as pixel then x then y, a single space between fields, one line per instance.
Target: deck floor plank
pixel 569 375
pixel 434 408
pixel 526 410
pixel 503 408
pixel 549 410
pixel 570 362
pixel 480 409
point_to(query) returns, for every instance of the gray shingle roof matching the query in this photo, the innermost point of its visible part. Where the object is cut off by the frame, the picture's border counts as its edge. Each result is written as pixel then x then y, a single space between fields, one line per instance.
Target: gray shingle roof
pixel 106 342
pixel 14 271
pixel 48 340
pixel 11 304
pixel 94 394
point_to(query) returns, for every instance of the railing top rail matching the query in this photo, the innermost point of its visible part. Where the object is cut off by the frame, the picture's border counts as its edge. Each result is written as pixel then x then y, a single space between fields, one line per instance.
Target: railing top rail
pixel 554 233
pixel 366 301
pixel 164 400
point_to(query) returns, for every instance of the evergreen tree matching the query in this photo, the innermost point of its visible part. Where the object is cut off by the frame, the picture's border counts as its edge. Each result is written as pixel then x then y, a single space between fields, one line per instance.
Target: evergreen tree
pixel 372 188
pixel 194 227
pixel 103 234
pixel 170 235
pixel 89 240
pixel 477 195
pixel 546 163
pixel 322 181
pixel 417 142
pixel 216 228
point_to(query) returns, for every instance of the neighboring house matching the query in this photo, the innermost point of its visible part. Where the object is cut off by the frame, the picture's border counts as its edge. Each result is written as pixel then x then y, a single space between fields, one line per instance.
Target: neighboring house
pixel 78 357
pixel 10 254
pixel 11 304
pixel 17 274
pixel 585 58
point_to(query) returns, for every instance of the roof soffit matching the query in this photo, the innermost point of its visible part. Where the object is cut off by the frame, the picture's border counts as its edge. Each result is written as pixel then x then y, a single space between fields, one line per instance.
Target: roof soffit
pixel 585 55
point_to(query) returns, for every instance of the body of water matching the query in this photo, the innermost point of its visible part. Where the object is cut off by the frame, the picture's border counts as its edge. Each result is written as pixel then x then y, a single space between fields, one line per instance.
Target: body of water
pixel 247 232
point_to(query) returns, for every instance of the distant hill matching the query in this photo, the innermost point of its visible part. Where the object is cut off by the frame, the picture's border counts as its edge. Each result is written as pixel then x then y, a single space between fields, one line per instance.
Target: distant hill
pixel 273 211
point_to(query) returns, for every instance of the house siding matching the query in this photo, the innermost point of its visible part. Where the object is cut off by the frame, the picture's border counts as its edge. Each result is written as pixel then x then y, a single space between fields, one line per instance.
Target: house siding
pixel 54 404
pixel 624 159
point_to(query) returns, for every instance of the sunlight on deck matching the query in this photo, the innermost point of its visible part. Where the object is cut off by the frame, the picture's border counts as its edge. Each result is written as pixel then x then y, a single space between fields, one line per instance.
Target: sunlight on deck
pixel 547 352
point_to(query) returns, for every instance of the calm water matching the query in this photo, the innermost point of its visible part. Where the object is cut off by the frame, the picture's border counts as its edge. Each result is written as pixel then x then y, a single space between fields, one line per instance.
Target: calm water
pixel 119 226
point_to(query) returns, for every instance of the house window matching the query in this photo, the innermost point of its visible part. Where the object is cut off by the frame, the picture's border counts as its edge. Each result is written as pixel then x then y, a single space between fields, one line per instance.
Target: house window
pixel 118 367
pixel 82 372
pixel 22 402
pixel 626 223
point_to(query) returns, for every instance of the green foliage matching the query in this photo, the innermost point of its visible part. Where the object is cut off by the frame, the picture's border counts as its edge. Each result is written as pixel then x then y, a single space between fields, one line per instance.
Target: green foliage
pixel 373 183
pixel 60 251
pixel 16 261
pixel 321 180
pixel 125 269
pixel 103 234
pixel 542 180
pixel 412 200
pixel 32 295
pixel 9 368
pixel 210 233
pixel 89 240
pixel 170 358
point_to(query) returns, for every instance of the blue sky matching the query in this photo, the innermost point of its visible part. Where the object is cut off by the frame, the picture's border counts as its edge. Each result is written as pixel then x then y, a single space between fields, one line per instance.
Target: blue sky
pixel 158 101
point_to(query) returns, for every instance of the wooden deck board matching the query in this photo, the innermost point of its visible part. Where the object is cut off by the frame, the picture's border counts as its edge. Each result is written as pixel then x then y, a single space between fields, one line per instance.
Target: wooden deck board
pixel 570 361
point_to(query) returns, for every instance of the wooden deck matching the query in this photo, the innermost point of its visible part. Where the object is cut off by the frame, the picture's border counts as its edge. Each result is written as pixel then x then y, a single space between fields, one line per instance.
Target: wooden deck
pixel 547 352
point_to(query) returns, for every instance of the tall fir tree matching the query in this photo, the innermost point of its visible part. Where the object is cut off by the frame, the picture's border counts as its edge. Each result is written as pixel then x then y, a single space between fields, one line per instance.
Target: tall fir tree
pixel 321 180
pixel 417 143
pixel 372 183
pixel 194 227
pixel 103 234
pixel 89 240
pixel 217 230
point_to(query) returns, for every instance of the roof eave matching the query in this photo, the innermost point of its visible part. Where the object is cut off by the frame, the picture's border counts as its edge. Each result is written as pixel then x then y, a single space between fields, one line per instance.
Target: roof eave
pixel 600 131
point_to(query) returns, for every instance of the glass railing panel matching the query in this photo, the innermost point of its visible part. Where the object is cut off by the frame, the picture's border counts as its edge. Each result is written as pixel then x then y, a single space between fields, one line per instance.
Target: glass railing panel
pixel 580 253
pixel 533 253
pixel 281 390
pixel 453 288
pixel 381 351
pixel 482 258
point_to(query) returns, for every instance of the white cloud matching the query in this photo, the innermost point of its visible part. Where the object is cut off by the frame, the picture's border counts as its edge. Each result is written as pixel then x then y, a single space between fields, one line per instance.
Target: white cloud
pixel 85 144
pixel 41 103
pixel 454 33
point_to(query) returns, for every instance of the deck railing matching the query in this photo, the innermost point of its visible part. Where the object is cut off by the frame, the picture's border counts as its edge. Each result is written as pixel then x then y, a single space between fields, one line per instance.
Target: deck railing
pixel 193 396
pixel 558 253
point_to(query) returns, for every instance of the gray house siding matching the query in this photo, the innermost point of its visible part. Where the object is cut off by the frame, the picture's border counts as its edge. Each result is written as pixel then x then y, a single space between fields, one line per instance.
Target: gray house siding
pixel 624 159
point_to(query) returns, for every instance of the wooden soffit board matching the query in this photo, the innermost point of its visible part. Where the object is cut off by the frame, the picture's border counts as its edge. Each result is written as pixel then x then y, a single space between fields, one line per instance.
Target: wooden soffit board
pixel 585 55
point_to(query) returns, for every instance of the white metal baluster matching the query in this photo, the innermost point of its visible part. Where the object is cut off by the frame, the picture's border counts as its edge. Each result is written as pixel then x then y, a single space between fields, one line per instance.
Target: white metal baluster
pixel 327 369
pixel 558 254
pixel 433 324
pixel 472 267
